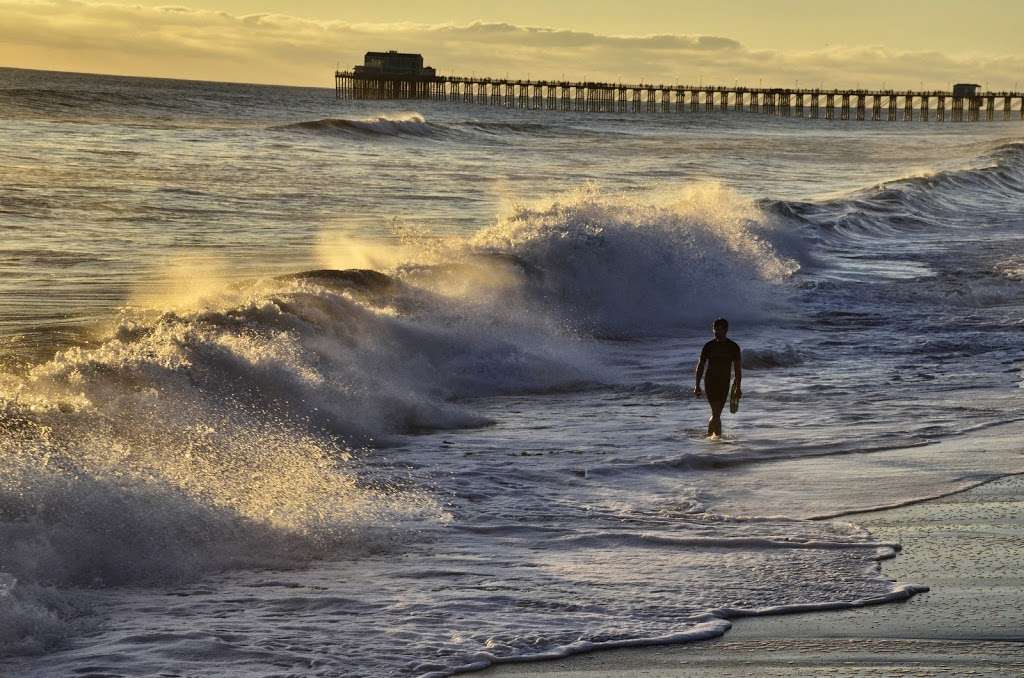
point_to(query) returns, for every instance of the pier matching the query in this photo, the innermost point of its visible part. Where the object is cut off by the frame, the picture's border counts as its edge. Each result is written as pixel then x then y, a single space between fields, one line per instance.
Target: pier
pixel 603 97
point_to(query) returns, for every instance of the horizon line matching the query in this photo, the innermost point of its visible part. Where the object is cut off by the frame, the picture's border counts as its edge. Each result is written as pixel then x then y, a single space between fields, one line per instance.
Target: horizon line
pixel 164 77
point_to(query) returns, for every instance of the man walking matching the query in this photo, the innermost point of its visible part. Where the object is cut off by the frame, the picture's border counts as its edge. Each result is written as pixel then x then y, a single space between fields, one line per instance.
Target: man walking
pixel 720 356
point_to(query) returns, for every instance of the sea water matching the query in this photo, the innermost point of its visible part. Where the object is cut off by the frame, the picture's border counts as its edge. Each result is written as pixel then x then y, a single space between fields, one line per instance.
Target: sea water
pixel 294 386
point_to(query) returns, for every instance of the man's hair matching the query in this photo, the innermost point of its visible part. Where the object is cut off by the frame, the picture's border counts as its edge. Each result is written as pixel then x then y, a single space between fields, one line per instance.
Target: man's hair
pixel 723 323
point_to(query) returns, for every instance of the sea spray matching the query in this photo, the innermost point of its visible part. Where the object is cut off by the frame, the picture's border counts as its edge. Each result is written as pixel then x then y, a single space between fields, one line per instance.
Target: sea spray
pixel 635 265
pixel 149 460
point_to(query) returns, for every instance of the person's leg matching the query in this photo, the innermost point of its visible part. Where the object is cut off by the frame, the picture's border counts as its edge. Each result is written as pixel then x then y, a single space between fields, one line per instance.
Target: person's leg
pixel 717 390
pixel 715 423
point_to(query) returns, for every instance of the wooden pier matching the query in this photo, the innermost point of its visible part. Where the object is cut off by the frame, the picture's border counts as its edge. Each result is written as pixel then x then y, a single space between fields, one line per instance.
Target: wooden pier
pixel 603 97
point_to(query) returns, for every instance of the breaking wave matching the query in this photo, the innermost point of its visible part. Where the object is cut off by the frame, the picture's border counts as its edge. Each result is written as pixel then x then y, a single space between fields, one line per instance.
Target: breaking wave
pixel 395 125
pixel 228 432
pixel 126 491
pixel 415 125
pixel 924 202
pixel 629 266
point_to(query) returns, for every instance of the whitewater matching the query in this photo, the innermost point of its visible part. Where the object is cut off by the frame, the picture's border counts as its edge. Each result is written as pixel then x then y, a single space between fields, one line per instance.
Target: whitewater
pixel 292 386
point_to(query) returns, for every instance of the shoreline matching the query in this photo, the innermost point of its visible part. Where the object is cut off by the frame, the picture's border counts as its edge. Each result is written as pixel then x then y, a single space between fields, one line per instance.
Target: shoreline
pixel 962 545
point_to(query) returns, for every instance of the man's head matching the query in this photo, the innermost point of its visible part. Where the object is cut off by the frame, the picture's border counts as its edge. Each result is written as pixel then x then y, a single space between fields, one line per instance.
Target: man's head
pixel 721 328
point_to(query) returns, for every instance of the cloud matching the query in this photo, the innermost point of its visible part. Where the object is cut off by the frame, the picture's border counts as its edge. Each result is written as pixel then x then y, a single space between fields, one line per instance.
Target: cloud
pixel 179 41
pixel 506 33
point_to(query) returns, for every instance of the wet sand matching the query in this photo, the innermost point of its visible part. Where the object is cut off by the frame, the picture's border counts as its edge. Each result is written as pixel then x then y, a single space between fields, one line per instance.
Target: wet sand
pixel 969 548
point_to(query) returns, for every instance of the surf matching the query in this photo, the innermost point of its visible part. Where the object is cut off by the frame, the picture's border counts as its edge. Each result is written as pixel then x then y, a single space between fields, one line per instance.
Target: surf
pixel 388 125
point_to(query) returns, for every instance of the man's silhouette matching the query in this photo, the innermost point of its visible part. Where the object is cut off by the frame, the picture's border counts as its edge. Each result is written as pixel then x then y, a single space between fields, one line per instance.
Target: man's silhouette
pixel 721 356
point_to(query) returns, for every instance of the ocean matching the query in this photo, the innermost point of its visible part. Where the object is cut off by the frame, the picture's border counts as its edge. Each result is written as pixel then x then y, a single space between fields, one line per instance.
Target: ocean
pixel 292 386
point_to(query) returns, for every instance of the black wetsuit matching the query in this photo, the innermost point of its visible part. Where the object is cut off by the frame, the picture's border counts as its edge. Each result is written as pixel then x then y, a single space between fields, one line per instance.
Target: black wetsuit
pixel 720 356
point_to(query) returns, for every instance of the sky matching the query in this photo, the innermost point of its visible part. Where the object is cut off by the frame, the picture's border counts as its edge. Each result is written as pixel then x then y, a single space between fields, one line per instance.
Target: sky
pixel 869 43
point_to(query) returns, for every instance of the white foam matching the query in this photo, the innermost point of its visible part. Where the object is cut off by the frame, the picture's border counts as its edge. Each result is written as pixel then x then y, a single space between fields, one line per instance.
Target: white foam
pixel 636 264
pixel 765 358
pixel 704 630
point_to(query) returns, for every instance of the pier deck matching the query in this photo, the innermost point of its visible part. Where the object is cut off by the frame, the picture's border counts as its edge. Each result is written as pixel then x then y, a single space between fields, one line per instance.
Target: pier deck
pixel 603 97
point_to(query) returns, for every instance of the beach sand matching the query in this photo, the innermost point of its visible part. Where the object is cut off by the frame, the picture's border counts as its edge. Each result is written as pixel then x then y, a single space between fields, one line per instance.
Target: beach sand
pixel 969 548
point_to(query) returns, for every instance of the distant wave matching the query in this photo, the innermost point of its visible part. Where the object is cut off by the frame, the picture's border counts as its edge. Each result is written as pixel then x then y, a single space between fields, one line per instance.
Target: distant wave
pixel 1011 152
pixel 505 128
pixel 397 125
pixel 923 201
pixel 415 125
pixel 56 99
pixel 766 358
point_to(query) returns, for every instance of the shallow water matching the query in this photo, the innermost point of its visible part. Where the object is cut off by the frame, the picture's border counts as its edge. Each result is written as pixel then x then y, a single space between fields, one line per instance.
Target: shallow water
pixel 487 449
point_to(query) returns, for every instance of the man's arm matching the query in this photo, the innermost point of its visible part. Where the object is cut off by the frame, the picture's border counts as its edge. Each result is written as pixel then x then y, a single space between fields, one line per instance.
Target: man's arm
pixel 699 373
pixel 737 366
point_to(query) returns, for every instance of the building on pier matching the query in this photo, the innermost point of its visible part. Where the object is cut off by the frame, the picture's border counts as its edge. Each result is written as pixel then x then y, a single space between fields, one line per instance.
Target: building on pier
pixel 965 89
pixel 392 64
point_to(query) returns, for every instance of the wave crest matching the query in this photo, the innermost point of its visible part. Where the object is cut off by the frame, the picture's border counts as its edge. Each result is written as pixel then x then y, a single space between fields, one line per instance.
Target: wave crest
pixel 635 265
pixel 392 125
pixel 923 201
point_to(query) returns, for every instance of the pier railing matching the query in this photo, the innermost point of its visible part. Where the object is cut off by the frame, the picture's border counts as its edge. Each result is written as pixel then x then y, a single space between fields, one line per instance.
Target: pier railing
pixel 603 97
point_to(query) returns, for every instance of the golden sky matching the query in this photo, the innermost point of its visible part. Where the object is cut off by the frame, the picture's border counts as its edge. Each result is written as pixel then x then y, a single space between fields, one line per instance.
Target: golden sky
pixel 869 43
